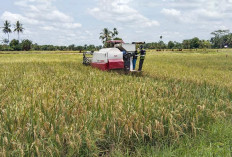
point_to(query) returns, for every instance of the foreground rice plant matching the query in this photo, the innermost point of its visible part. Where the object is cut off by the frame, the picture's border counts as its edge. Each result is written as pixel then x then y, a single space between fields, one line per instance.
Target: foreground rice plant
pixel 51 105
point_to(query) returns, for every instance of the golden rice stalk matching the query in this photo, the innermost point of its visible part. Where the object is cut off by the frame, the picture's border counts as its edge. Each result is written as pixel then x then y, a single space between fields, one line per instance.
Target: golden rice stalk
pixel 149 130
pixel 194 130
pixel 37 151
pixel 58 139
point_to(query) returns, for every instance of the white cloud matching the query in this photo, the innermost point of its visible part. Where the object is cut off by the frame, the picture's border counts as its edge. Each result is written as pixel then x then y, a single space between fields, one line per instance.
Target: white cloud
pixel 201 12
pixel 41 19
pixel 171 12
pixel 119 11
pixel 48 28
pixel 209 14
pixel 57 21
pixel 204 9
pixel 15 17
pixel 71 25
pixel 43 10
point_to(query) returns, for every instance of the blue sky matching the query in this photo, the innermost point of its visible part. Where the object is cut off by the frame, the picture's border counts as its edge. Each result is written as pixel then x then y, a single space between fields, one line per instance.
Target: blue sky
pixel 79 22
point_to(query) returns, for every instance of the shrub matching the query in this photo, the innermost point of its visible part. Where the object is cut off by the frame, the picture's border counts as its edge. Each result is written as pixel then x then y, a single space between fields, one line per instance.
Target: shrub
pixel 14 44
pixel 26 45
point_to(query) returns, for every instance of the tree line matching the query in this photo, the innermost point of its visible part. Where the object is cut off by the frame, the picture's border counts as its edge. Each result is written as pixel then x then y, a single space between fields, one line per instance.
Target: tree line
pixel 27 45
pixel 72 47
pixel 14 45
pixel 194 43
pixel 220 39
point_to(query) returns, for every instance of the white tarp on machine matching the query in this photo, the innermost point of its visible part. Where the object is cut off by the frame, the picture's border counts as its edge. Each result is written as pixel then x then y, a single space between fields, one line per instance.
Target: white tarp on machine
pixel 106 54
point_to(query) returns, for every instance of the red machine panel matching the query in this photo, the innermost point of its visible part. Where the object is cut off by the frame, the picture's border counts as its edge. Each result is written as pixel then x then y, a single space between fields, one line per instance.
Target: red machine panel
pixel 101 66
pixel 116 64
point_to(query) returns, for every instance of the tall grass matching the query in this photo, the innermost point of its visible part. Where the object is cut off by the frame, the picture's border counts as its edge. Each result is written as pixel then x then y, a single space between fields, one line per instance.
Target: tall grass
pixel 51 105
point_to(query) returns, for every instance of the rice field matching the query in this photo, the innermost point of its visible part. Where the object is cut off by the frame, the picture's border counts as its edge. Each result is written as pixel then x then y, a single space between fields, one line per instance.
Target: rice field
pixel 51 105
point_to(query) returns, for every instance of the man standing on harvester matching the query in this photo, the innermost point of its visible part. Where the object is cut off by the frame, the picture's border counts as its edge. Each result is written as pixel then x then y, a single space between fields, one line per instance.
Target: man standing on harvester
pixel 142 57
pixel 135 56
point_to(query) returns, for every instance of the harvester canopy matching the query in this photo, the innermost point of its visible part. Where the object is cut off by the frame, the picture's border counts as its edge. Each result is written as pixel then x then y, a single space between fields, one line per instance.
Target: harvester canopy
pixel 115 41
pixel 108 58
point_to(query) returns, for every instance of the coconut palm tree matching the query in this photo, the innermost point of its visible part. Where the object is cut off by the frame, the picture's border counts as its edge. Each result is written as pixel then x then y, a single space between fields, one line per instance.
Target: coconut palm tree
pixel 115 32
pixel 105 35
pixel 6 28
pixel 18 28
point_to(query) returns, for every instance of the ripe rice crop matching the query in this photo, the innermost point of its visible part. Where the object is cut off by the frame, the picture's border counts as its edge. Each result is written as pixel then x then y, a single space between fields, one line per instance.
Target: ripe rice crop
pixel 51 105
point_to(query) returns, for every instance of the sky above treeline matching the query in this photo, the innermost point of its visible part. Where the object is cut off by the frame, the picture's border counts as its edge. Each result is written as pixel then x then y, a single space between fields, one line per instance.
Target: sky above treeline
pixel 79 22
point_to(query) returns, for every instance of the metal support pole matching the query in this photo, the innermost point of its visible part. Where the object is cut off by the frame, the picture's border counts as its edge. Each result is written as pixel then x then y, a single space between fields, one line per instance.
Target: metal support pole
pixel 131 64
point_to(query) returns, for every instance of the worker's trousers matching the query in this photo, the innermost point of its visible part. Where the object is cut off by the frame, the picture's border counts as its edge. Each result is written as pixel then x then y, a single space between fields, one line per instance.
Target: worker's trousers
pixel 141 64
pixel 134 63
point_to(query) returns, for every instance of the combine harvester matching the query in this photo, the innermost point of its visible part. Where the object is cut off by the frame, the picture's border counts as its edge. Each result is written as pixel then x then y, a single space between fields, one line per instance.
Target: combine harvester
pixel 119 56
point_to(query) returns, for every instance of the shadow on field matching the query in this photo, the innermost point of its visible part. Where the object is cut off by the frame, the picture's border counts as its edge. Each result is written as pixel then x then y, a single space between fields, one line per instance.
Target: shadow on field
pixel 126 73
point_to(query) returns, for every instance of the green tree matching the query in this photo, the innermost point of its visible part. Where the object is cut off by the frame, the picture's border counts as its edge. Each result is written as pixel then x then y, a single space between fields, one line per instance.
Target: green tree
pixel 85 46
pixel 195 43
pixel 71 47
pixel 114 33
pixel 36 47
pixel 117 38
pixel 229 40
pixel 6 29
pixel 205 44
pixel 105 35
pixel 26 45
pixel 218 41
pixel 99 47
pixel 161 45
pixel 171 45
pixel 18 28
pixel 14 44
pixel 186 44
pixel 91 48
pixel 178 45
pixel 80 48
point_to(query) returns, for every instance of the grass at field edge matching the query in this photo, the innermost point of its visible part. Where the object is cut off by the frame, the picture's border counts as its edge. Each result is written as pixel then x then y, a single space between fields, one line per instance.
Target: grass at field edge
pixel 215 141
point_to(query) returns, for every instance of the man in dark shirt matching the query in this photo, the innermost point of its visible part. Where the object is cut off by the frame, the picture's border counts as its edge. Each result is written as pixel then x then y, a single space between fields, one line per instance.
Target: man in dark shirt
pixel 142 57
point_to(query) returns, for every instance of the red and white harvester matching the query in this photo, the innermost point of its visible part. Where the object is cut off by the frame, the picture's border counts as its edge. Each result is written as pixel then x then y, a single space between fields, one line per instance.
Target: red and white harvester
pixel 119 56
